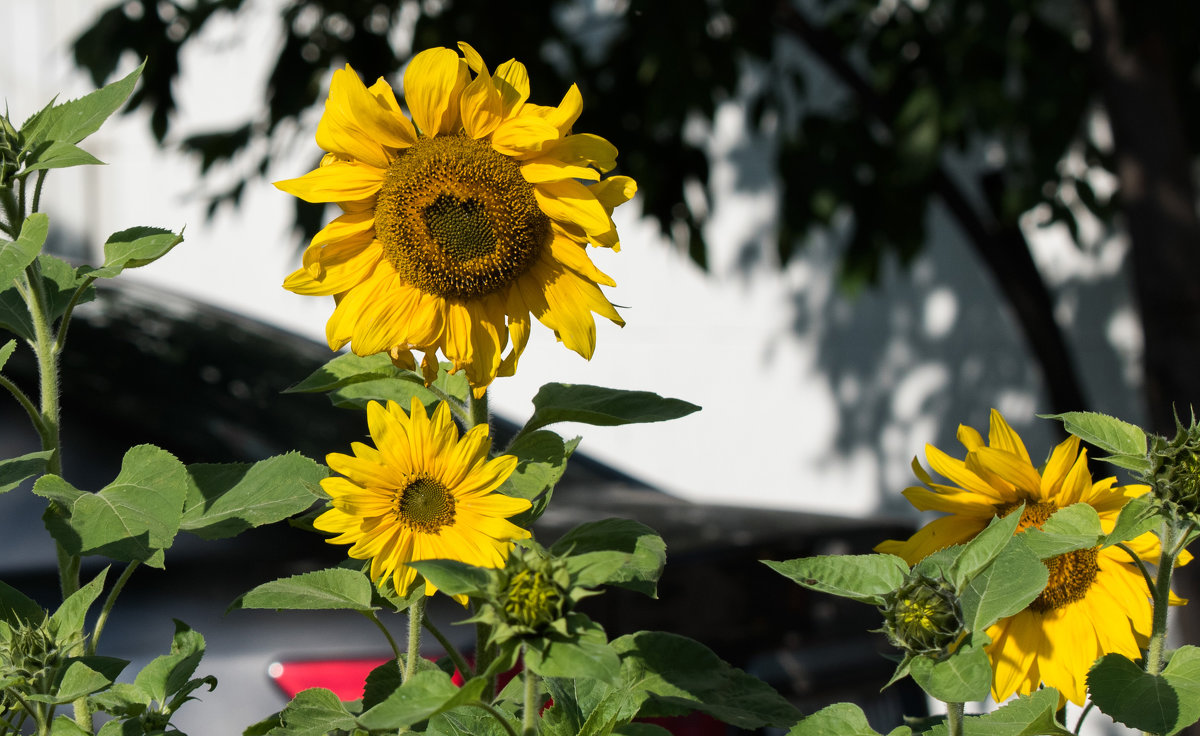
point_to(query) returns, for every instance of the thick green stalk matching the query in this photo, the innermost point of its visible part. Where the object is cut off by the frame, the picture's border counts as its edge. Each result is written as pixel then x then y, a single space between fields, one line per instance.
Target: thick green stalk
pixel 479 410
pixel 1168 538
pixel 529 721
pixel 954 719
pixel 416 614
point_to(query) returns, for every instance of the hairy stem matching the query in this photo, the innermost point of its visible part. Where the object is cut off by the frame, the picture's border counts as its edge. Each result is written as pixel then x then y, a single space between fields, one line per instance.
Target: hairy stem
pixel 1168 538
pixel 954 719
pixel 530 714
pixel 416 614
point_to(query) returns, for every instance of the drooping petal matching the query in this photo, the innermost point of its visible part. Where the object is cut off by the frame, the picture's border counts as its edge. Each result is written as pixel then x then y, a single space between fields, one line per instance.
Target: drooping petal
pixel 512 80
pixel 340 181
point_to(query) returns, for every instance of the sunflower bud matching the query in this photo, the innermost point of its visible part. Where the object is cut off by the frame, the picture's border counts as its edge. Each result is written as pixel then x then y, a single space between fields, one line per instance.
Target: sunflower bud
pixel 923 616
pixel 533 595
pixel 1177 468
pixel 31 655
pixel 10 148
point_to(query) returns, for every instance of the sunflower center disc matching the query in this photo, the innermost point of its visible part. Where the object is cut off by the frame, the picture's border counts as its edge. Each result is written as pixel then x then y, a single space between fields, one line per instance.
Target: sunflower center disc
pixel 1071 574
pixel 456 219
pixel 425 505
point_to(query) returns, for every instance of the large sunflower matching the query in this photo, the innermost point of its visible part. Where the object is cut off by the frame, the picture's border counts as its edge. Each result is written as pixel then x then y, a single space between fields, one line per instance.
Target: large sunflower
pixel 1096 600
pixel 422 494
pixel 457 228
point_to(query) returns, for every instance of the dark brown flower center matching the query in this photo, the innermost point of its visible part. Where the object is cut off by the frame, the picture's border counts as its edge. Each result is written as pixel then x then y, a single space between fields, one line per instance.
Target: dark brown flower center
pixel 425 505
pixel 1071 574
pixel 456 218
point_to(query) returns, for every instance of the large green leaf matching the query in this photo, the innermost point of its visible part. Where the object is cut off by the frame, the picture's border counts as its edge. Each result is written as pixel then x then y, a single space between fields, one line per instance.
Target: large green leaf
pixel 426 694
pixel 333 589
pixel 864 578
pixel 618 552
pixel 984 548
pixel 349 368
pixel 71 614
pixel 1005 587
pixel 1107 433
pixel 676 670
pixel 589 707
pixel 360 393
pixel 16 607
pixel 603 407
pixel 589 655
pixel 76 681
pixel 1075 527
pixel 135 517
pixel 471 721
pixel 542 460
pixel 167 674
pixel 314 712
pixel 840 719
pixel 74 120
pixel 1137 517
pixel 6 351
pixel 132 248
pixel 16 470
pixel 964 676
pixel 1028 715
pixel 454 577
pixel 1163 704
pixel 224 500
pixel 60 280
pixel 15 255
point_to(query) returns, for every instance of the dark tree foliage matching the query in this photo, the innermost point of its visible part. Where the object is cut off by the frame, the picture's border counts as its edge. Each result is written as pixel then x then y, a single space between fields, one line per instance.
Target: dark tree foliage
pixel 876 110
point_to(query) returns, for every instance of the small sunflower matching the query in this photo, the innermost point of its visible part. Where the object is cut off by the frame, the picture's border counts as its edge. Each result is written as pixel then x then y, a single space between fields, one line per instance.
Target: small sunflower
pixel 1096 601
pixel 461 222
pixel 420 494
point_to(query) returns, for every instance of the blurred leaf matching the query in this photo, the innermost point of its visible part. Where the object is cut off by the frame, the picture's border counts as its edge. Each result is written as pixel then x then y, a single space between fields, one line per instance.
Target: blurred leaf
pixel 18 469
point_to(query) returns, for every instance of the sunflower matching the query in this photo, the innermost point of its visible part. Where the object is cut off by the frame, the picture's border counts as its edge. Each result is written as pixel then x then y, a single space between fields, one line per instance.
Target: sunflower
pixel 1095 602
pixel 424 494
pixel 461 222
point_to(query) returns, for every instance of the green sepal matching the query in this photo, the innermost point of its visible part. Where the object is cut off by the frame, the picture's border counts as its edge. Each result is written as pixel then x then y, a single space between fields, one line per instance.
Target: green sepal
pixel 618 552
pixel 964 676
pixel 1110 434
pixel 426 694
pixel 224 500
pixel 681 674
pixel 1005 587
pixel 601 407
pixel 336 588
pixel 133 248
pixel 1163 704
pixel 840 719
pixel 1028 715
pixel 16 255
pixel 133 518
pixel 541 461
pixel 74 120
pixel 863 578
pixel 15 471
pixel 1070 528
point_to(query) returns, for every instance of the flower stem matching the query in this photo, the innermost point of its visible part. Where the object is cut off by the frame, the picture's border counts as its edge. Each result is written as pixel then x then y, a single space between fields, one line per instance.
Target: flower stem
pixel 479 409
pixel 954 719
pixel 387 634
pixel 529 721
pixel 108 604
pixel 416 614
pixel 1168 539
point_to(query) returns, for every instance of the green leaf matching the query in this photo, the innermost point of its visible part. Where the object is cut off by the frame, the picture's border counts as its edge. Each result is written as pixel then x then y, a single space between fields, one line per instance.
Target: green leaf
pixel 839 719
pixel 1028 715
pixel 314 712
pixel 77 680
pixel 167 674
pixel 588 707
pixel 75 120
pixel 863 578
pixel 602 407
pixel 617 552
pixel 964 676
pixel 542 459
pixel 984 548
pixel 680 671
pixel 71 614
pixel 1005 587
pixel 59 155
pixel 453 577
pixel 426 694
pixel 15 255
pixel 360 393
pixel 1139 464
pixel 467 721
pixel 16 470
pixel 641 729
pixel 1137 517
pixel 7 351
pixel 224 500
pixel 382 682
pixel 132 248
pixel 1164 704
pixel 587 656
pixel 1107 433
pixel 16 607
pixel 333 589
pixel 1074 527
pixel 349 368
pixel 134 517
pixel 123 700
pixel 64 726
pixel 59 283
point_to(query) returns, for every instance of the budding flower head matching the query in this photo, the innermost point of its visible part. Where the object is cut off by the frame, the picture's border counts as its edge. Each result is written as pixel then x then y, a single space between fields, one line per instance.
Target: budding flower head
pixel 10 148
pixel 923 616
pixel 1176 477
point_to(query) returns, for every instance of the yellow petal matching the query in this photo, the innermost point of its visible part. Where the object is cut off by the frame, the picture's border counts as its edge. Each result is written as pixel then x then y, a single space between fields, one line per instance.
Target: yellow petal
pixel 570 201
pixel 1057 467
pixel 1013 653
pixel 563 116
pixel 340 181
pixel 548 168
pixel 433 83
pixel 512 80
pixel 988 462
pixel 584 149
pixel 518 331
pixel 340 268
pixel 1002 437
pixel 935 535
pixel 358 124
pixel 572 255
pixel 613 191
pixel 523 137
pixel 342 323
pixel 954 501
pixel 969 437
pixel 956 472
